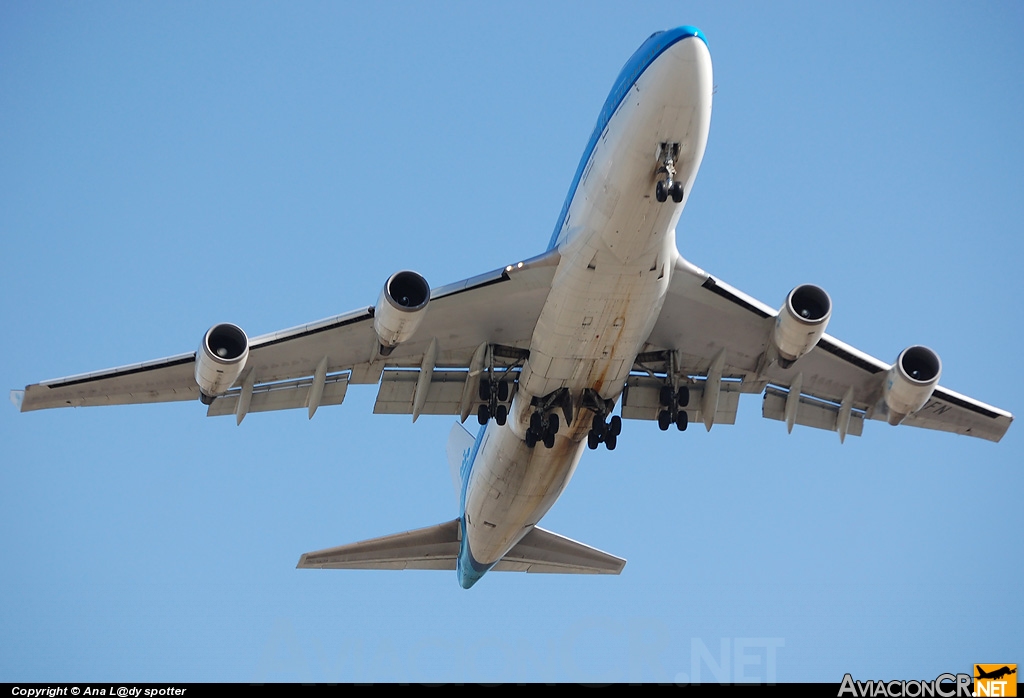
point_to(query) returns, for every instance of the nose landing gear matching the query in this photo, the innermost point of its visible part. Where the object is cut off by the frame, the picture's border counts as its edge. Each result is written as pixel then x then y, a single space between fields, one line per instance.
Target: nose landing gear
pixel 667 155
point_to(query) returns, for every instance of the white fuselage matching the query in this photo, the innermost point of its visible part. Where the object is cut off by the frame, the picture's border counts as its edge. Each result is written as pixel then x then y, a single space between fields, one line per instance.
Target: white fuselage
pixel 617 248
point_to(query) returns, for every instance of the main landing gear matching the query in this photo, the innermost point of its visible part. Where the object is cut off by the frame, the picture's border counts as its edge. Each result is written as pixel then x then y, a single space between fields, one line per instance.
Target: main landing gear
pixel 606 433
pixel 673 401
pixel 601 431
pixel 544 421
pixel 543 428
pixel 667 155
pixel 494 394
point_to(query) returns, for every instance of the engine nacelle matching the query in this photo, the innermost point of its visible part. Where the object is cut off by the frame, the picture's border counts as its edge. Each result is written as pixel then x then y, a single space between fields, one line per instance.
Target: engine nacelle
pixel 801 321
pixel 400 309
pixel 220 360
pixel 911 381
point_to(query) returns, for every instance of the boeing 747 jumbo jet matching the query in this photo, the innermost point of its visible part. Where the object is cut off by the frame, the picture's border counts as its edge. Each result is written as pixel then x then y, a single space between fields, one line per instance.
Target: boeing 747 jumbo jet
pixel 610 314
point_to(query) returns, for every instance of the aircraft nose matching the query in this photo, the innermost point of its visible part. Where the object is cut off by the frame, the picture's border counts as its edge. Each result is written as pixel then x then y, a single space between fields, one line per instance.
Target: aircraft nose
pixel 688 30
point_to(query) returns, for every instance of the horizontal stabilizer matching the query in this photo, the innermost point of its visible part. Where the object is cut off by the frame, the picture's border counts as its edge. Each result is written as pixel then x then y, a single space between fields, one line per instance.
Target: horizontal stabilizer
pixel 437 548
pixel 431 548
pixel 544 551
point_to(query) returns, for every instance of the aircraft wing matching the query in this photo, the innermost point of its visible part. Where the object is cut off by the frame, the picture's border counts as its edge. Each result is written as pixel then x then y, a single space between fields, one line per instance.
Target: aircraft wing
pixel 714 329
pixel 312 365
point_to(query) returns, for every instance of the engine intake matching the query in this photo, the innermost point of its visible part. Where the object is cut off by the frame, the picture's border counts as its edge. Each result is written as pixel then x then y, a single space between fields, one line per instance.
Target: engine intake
pixel 220 360
pixel 400 309
pixel 911 381
pixel 801 321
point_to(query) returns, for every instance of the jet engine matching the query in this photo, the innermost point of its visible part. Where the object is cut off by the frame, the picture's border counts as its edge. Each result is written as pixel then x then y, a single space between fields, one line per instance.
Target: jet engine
pixel 220 360
pixel 400 309
pixel 911 381
pixel 801 321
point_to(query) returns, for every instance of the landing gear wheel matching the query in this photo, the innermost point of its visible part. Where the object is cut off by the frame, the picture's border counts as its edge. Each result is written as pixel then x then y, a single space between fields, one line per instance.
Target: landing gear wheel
pixel 664 420
pixel 659 192
pixel 665 396
pixel 502 391
pixel 610 441
pixel 615 425
pixel 549 440
pixel 598 424
pixel 501 415
pixel 553 423
pixel 531 439
pixel 485 389
pixel 536 423
pixel 684 396
pixel 592 440
pixel 483 415
pixel 676 191
pixel 682 419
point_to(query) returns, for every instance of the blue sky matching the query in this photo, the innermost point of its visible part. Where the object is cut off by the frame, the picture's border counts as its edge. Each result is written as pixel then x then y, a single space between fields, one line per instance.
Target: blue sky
pixel 164 167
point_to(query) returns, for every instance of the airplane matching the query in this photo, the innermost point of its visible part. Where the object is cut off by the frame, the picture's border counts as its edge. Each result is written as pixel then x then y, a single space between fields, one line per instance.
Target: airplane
pixel 995 674
pixel 609 315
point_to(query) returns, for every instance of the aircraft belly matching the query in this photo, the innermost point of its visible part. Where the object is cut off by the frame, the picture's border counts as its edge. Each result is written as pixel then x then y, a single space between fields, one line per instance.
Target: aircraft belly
pixel 590 330
pixel 511 487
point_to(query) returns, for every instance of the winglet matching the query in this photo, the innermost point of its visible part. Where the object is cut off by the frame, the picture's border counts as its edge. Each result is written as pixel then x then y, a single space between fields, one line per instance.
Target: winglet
pixel 16 397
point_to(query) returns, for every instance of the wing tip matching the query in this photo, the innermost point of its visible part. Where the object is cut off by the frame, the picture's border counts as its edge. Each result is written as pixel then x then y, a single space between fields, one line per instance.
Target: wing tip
pixel 18 399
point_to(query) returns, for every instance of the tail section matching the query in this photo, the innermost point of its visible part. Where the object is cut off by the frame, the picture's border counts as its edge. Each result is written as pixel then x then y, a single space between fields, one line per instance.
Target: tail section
pixel 437 548
pixel 443 546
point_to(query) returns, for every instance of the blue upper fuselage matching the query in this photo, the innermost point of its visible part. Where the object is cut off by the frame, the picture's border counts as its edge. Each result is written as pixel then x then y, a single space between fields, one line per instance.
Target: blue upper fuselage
pixel 644 56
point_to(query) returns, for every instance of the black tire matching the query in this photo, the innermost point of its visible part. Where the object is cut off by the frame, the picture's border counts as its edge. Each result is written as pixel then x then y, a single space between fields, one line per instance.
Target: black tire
pixel 665 396
pixel 485 390
pixel 483 415
pixel 677 192
pixel 659 192
pixel 536 422
pixel 593 441
pixel 597 424
pixel 531 438
pixel 610 441
pixel 501 415
pixel 553 423
pixel 664 420
pixel 502 391
pixel 615 425
pixel 684 396
pixel 549 440
pixel 682 419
